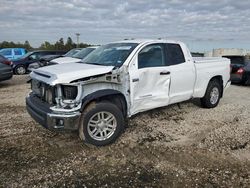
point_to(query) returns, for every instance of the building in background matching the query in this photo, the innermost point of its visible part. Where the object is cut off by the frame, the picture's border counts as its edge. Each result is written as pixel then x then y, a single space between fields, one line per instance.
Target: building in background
pixel 227 52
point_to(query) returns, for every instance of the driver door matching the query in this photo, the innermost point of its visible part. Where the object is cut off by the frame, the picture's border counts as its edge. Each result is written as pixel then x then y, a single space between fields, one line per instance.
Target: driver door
pixel 149 79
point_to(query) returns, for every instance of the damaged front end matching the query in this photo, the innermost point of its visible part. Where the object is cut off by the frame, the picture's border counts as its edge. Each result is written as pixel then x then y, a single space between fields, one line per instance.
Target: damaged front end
pixel 53 106
pixel 58 107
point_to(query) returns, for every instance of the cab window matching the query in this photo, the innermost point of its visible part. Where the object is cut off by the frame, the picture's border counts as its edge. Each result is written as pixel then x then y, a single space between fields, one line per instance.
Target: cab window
pixel 151 56
pixel 174 54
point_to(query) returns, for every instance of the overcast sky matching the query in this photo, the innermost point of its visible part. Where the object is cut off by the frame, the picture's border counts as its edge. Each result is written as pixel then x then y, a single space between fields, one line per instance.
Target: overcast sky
pixel 203 24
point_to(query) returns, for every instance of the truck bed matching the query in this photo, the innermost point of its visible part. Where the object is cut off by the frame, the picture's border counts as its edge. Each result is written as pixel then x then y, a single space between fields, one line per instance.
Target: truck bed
pixel 209 59
pixel 207 68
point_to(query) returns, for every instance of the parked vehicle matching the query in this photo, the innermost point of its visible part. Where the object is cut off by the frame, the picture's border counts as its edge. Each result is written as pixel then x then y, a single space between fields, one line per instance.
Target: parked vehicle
pixel 5 69
pixel 20 66
pixel 75 58
pixel 13 53
pixel 240 73
pixel 52 60
pixel 119 80
pixel 72 52
pixel 44 61
pixel 48 58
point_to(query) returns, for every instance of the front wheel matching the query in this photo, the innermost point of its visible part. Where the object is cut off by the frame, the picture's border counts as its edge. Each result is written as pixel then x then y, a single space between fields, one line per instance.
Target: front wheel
pixel 212 96
pixel 20 70
pixel 101 123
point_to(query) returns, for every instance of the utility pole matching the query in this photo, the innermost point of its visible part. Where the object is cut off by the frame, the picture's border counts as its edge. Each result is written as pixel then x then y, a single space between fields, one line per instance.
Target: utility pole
pixel 77 39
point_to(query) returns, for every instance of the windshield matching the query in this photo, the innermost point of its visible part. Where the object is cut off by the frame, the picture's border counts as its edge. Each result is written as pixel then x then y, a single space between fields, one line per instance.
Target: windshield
pixel 83 53
pixel 113 54
pixel 72 52
pixel 28 54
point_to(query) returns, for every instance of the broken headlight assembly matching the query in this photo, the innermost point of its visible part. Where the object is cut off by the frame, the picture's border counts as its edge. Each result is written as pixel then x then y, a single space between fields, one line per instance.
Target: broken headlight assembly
pixel 69 92
pixel 67 96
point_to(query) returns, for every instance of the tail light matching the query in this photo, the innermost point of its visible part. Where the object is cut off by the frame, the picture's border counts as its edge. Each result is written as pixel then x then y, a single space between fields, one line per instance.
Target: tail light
pixel 240 71
pixel 8 62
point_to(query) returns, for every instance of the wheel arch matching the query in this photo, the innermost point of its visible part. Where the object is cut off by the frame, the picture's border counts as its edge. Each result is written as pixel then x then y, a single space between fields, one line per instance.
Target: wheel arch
pixel 218 79
pixel 113 96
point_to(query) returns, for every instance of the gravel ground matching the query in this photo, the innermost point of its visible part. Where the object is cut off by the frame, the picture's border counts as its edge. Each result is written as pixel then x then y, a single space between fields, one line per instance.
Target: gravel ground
pixel 177 146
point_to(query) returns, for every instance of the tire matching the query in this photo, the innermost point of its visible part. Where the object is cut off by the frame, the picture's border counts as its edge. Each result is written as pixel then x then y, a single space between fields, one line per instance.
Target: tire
pixel 212 96
pixel 247 81
pixel 104 117
pixel 20 70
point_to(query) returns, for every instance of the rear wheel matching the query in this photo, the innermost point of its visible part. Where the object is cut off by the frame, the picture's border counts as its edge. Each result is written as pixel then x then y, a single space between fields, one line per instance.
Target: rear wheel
pixel 213 95
pixel 20 70
pixel 101 123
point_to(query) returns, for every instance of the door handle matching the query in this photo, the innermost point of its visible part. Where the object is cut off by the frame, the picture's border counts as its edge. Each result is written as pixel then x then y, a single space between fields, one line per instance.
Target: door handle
pixel 165 73
pixel 135 80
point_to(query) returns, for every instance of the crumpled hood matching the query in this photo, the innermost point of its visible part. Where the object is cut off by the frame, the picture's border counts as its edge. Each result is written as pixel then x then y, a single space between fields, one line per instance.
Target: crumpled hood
pixel 66 73
pixel 62 60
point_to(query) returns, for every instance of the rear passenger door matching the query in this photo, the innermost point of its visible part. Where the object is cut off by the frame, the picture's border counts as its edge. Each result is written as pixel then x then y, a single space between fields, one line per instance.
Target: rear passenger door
pixel 182 73
pixel 149 79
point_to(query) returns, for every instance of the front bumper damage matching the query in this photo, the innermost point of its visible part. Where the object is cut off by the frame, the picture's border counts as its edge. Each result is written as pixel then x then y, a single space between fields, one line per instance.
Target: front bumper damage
pixel 41 113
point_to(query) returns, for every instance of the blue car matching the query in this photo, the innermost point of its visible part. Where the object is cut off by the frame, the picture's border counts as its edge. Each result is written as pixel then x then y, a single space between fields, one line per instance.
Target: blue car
pixel 13 53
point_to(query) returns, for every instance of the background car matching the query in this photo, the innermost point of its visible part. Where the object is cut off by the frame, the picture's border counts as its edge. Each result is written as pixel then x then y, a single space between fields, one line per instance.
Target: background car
pixel 72 52
pixel 20 66
pixel 13 53
pixel 240 69
pixel 75 58
pixel 48 58
pixel 44 61
pixel 5 69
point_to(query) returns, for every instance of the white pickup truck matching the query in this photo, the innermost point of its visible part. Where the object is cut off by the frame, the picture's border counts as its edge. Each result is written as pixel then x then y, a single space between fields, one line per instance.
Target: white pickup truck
pixel 119 80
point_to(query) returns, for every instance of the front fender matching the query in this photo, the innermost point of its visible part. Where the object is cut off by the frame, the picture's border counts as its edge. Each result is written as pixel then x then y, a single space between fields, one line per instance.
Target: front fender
pixel 98 94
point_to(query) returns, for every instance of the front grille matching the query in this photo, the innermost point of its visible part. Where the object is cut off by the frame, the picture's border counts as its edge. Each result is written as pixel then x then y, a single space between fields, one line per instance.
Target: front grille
pixel 43 91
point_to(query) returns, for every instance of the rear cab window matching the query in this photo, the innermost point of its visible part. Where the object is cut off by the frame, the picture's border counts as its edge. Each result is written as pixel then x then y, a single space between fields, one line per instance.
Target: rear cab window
pixel 174 54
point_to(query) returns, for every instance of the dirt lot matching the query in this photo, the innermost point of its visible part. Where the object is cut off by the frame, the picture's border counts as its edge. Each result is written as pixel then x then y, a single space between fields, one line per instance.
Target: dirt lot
pixel 176 146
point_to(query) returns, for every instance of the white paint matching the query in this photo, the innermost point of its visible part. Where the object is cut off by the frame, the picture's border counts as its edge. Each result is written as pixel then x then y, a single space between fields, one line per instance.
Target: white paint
pixel 145 89
pixel 63 60
pixel 65 73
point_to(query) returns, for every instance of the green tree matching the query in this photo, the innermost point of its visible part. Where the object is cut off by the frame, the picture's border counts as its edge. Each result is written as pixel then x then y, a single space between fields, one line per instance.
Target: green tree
pixel 59 45
pixel 27 45
pixel 69 44
pixel 84 45
pixel 46 46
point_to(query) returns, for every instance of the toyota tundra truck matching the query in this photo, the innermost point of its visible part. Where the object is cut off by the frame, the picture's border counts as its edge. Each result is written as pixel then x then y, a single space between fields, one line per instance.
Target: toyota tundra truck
pixel 119 80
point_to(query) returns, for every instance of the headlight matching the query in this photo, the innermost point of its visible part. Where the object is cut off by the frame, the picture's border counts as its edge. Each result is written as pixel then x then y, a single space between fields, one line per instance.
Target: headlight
pixel 69 92
pixel 38 88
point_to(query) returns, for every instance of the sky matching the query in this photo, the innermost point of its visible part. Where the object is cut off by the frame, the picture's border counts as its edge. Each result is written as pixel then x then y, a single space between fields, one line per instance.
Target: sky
pixel 203 24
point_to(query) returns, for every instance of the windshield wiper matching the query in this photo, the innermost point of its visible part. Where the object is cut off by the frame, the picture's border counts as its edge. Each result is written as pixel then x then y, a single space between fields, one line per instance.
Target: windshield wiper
pixel 92 63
